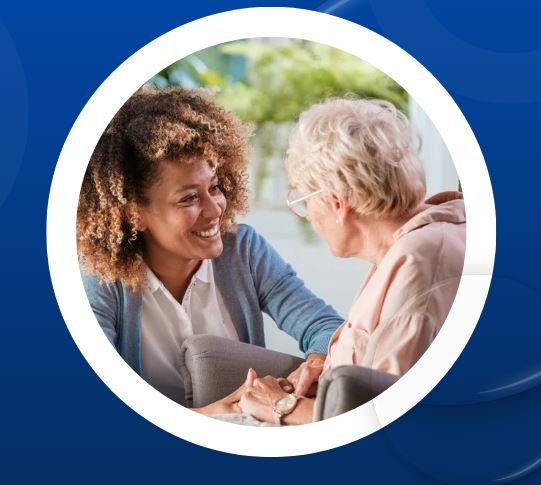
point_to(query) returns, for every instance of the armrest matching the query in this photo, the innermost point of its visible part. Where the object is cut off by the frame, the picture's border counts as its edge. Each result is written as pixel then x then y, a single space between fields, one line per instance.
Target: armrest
pixel 347 387
pixel 213 367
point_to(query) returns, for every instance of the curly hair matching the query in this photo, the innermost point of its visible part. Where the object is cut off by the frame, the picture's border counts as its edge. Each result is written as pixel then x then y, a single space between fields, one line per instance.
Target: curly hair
pixel 154 125
pixel 360 148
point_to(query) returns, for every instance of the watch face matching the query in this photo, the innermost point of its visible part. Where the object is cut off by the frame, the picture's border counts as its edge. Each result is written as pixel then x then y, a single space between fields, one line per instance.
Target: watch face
pixel 287 403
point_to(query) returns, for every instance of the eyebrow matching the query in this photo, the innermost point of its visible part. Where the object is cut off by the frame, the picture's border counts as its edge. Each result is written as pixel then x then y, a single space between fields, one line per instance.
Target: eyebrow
pixel 193 186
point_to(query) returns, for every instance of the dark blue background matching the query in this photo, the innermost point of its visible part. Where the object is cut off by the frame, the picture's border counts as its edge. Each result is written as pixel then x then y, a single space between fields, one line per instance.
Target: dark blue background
pixel 60 423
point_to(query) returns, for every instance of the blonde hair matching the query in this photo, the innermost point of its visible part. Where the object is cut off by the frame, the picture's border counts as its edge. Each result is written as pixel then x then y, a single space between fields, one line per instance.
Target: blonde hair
pixel 361 149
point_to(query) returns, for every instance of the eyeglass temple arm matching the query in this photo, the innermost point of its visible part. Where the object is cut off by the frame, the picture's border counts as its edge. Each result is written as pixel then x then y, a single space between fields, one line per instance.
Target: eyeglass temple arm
pixel 303 198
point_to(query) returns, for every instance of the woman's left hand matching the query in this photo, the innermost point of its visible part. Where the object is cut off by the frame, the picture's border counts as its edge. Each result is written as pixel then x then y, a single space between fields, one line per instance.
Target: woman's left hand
pixel 229 404
pixel 259 398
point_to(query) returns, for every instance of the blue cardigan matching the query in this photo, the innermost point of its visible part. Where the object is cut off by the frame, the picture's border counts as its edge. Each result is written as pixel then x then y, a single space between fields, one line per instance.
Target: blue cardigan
pixel 251 277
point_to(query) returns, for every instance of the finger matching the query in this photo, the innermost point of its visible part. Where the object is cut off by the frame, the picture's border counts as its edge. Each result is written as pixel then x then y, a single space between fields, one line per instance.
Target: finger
pixel 312 391
pixel 251 377
pixel 443 197
pixel 236 408
pixel 294 376
pixel 304 382
pixel 285 384
pixel 293 379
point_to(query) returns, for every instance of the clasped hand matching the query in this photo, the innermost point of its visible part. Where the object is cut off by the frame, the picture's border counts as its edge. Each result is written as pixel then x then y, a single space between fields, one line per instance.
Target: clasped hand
pixel 257 396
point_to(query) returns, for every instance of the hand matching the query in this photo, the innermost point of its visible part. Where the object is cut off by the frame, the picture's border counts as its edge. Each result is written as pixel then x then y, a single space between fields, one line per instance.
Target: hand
pixel 229 404
pixel 305 378
pixel 223 406
pixel 259 399
pixel 443 197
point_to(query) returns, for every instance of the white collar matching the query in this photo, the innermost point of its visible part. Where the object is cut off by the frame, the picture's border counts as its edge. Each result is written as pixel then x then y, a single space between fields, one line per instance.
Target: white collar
pixel 203 274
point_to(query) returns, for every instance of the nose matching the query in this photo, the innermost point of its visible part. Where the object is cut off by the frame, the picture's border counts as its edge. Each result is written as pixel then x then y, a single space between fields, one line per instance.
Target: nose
pixel 213 207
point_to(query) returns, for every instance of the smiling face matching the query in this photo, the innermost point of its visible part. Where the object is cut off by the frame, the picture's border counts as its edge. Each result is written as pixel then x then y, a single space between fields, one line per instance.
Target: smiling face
pixel 181 222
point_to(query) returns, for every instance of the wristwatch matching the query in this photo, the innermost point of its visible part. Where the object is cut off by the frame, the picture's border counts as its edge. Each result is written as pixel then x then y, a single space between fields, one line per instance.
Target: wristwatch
pixel 284 406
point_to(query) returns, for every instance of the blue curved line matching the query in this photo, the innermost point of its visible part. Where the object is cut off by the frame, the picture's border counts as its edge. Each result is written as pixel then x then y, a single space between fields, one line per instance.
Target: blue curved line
pixel 519 473
pixel 328 7
pixel 512 385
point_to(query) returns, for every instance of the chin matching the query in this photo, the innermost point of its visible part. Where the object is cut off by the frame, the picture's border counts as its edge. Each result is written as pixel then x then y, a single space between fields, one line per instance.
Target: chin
pixel 214 251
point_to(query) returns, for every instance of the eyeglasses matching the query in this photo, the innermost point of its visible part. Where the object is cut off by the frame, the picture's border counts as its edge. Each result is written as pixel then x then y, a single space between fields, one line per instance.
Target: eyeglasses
pixel 297 204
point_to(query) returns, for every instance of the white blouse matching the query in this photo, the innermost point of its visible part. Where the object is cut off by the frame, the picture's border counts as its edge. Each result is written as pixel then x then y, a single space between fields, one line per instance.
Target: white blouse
pixel 165 324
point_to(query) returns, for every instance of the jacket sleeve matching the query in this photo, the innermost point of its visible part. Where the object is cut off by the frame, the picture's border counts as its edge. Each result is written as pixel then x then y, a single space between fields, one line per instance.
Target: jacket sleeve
pixel 283 296
pixel 103 300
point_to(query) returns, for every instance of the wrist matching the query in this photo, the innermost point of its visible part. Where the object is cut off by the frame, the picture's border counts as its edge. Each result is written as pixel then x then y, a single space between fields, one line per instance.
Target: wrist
pixel 302 414
pixel 284 406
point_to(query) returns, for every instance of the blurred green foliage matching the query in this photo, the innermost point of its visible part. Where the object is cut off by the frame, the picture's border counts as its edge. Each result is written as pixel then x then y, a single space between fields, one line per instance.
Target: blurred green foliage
pixel 274 80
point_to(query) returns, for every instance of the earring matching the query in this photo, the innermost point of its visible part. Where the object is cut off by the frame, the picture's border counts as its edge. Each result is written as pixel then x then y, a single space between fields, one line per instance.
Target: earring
pixel 336 220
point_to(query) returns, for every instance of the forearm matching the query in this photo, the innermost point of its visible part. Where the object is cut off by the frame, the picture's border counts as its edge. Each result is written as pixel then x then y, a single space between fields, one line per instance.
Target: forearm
pixel 283 296
pixel 206 410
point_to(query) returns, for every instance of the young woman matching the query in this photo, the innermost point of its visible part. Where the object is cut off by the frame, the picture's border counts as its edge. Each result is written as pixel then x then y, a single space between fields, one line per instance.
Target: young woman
pixel 162 257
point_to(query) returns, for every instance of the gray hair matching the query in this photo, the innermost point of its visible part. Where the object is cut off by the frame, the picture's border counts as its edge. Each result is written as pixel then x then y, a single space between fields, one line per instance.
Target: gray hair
pixel 361 149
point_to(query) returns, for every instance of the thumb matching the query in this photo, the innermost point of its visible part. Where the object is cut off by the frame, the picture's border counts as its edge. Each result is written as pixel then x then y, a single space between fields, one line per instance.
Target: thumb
pixel 251 377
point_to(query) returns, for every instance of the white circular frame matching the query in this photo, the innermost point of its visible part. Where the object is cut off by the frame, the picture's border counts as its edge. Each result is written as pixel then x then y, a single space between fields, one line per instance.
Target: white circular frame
pixel 288 23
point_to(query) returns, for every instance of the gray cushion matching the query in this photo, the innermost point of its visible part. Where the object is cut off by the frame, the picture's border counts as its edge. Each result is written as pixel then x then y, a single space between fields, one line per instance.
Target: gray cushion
pixel 213 367
pixel 346 387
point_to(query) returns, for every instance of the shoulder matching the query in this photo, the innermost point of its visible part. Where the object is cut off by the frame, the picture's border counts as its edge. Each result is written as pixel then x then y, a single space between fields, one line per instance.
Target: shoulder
pixel 245 249
pixel 242 239
pixel 99 290
pixel 436 230
pixel 429 244
pixel 238 234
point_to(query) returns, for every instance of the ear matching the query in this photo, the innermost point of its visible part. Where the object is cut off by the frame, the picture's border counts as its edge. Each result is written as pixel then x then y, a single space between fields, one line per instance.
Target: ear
pixel 340 207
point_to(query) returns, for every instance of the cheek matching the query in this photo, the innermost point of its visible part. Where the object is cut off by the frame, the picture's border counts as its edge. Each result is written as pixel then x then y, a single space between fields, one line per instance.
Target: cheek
pixel 170 222
pixel 222 202
pixel 312 215
pixel 332 233
pixel 185 221
pixel 318 218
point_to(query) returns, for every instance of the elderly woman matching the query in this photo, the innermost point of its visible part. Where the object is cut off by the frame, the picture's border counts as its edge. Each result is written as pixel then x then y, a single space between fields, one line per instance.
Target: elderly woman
pixel 360 183
pixel 161 255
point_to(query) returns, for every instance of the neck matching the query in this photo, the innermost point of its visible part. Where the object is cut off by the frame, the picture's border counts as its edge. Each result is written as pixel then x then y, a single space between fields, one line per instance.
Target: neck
pixel 173 273
pixel 375 236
